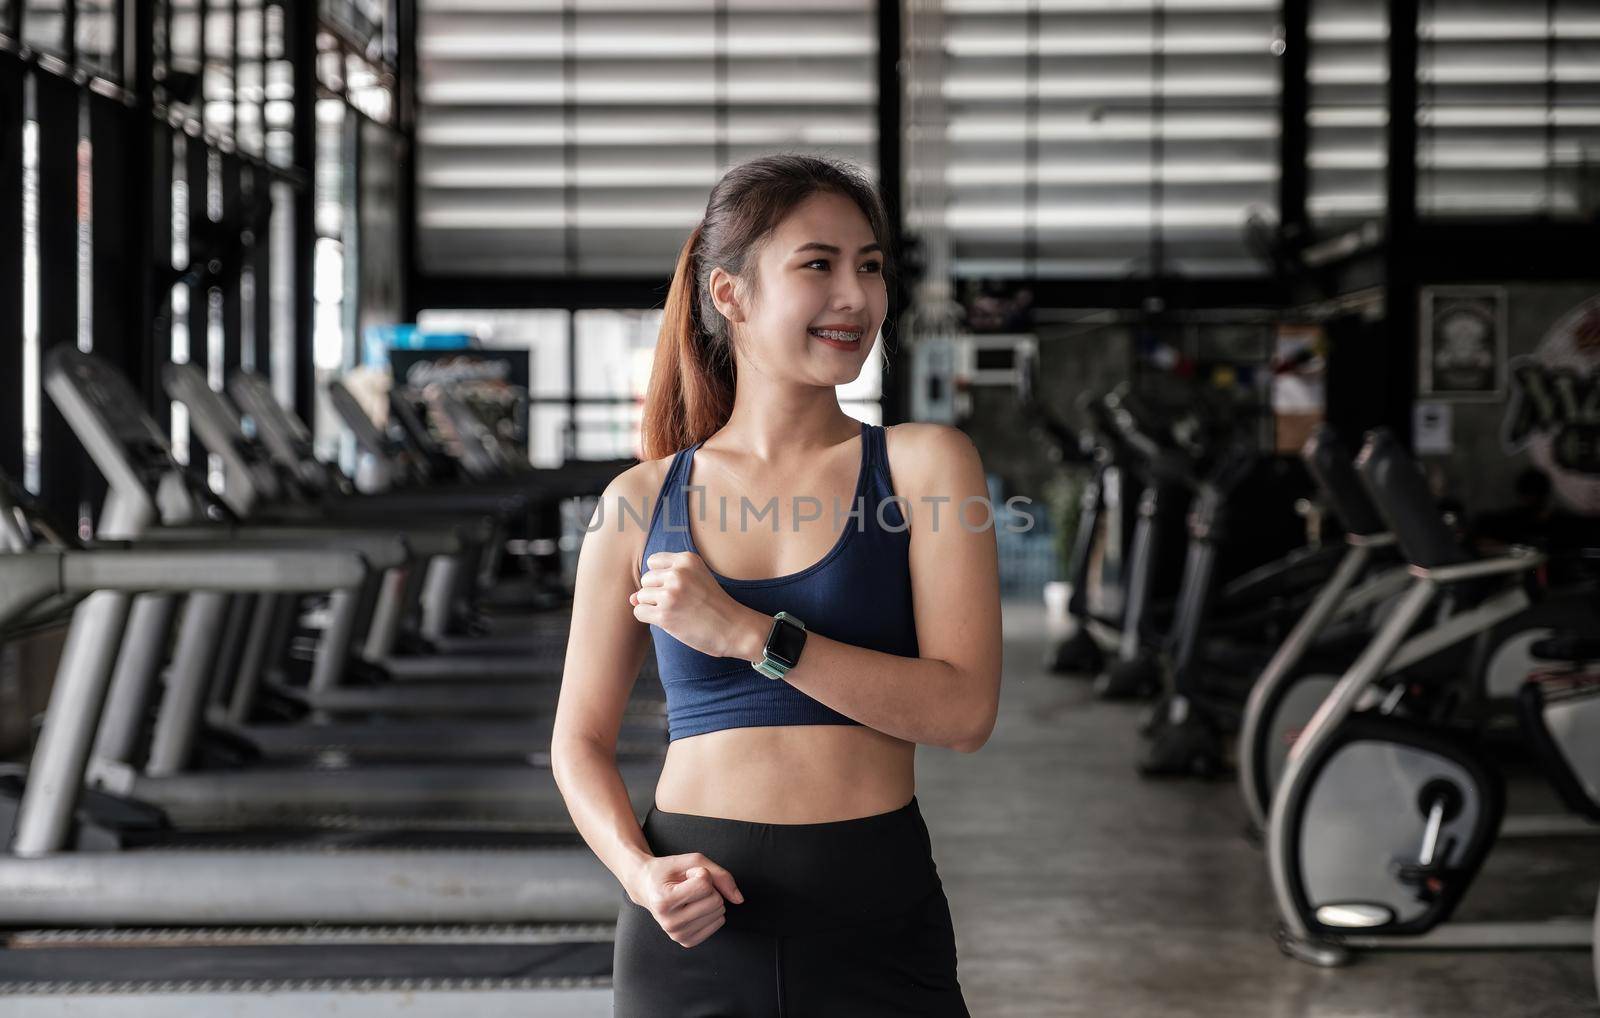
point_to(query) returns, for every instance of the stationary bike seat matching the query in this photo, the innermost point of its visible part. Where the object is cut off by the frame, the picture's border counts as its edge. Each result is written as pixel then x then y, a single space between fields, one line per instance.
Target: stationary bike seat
pixel 1567 648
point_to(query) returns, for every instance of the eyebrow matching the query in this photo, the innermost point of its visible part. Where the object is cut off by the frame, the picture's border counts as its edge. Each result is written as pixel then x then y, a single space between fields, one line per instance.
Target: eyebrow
pixel 817 245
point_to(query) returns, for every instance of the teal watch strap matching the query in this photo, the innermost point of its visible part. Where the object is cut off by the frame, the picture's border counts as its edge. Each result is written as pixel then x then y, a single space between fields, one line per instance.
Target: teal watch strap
pixel 773 664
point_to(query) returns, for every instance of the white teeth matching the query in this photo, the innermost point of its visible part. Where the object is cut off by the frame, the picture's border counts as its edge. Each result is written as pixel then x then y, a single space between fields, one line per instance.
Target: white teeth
pixel 843 337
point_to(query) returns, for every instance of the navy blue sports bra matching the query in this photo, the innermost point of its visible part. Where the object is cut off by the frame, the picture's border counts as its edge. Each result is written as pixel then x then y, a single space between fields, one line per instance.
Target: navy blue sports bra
pixel 859 593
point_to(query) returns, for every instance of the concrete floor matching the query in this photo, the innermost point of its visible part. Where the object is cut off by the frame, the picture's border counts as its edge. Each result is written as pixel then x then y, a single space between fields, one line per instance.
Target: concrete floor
pixel 1078 889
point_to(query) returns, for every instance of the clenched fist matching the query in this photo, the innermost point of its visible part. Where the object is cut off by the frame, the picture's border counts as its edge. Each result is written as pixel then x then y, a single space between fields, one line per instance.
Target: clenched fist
pixel 680 595
pixel 685 894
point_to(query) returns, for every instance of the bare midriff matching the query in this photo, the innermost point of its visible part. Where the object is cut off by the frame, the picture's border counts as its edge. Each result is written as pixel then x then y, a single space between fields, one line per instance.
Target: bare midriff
pixel 788 774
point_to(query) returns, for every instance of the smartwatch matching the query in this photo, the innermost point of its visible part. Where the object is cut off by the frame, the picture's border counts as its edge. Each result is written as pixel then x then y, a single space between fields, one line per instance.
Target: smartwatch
pixel 784 642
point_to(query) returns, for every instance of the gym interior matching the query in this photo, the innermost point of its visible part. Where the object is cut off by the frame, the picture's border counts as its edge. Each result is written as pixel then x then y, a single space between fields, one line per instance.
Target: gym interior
pixel 324 325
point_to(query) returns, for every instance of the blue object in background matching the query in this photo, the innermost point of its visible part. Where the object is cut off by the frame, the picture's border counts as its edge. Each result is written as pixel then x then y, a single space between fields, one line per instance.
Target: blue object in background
pixel 378 340
pixel 1027 554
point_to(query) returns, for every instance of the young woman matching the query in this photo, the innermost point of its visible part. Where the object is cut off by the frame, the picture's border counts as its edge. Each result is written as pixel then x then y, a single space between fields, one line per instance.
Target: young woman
pixel 785 868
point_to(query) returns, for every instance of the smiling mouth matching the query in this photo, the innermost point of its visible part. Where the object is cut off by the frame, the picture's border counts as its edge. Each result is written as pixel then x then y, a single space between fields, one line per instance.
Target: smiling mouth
pixel 836 335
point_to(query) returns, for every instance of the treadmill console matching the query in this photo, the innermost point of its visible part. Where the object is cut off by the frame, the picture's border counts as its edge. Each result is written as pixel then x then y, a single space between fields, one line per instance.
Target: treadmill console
pixel 217 423
pixel 108 416
pixel 277 429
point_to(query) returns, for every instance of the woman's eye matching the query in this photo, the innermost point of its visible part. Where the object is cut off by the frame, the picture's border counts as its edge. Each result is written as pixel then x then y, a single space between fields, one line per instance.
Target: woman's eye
pixel 866 266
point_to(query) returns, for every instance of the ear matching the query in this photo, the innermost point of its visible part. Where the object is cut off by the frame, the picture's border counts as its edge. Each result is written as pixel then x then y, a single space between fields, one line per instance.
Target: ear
pixel 723 286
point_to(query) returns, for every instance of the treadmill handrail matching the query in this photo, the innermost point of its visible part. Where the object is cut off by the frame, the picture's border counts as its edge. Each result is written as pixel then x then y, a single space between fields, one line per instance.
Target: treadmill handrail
pixel 224 568
pixel 381 550
pixel 31 577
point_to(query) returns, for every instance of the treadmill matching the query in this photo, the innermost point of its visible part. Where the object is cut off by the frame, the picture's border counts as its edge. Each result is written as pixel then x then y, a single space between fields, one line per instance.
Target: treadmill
pixel 281 438
pixel 218 427
pixel 132 453
pixel 412 454
pixel 524 682
pixel 103 920
pixel 112 929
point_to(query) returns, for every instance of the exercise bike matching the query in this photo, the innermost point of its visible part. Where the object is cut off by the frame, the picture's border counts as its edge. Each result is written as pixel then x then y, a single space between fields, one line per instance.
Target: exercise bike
pixel 1483 633
pixel 1381 820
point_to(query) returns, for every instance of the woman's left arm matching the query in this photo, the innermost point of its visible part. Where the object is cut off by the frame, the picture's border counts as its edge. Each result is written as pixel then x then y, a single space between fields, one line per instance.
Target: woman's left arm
pixel 948 696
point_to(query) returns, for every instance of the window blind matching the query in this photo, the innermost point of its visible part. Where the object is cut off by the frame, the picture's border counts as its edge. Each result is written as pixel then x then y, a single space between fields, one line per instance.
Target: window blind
pixel 1509 117
pixel 1094 140
pixel 582 137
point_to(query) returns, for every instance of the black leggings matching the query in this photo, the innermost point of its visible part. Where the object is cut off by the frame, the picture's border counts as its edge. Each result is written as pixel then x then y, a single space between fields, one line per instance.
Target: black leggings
pixel 839 919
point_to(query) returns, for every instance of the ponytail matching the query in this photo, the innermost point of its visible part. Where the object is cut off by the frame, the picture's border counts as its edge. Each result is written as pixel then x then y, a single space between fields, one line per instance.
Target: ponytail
pixel 688 397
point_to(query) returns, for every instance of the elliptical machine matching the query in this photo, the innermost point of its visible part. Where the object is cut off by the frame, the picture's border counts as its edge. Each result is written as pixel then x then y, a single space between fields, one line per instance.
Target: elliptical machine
pixel 1187 727
pixel 1381 822
pixel 1166 472
pixel 1097 548
pixel 1224 632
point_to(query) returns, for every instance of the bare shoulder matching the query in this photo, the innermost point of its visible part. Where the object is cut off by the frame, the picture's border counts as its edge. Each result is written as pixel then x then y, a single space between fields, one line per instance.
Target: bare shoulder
pixel 642 479
pixel 622 520
pixel 922 453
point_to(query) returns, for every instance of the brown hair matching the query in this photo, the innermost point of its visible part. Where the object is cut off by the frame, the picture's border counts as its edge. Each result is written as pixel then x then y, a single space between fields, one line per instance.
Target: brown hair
pixel 692 380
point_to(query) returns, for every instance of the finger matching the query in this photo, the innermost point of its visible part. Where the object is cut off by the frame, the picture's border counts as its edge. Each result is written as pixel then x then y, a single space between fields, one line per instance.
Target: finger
pixel 643 597
pixel 700 935
pixel 654 578
pixel 702 932
pixel 719 876
pixel 723 880
pixel 695 886
pixel 695 913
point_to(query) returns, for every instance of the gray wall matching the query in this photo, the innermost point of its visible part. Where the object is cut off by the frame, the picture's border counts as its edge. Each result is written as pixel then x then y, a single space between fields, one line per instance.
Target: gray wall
pixel 1478 470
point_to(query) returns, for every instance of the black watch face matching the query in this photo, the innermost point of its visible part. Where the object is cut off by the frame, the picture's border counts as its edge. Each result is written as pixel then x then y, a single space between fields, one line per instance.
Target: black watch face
pixel 786 641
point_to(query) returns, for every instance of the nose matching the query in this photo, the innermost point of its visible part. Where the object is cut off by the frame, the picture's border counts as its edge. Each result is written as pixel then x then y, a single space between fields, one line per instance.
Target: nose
pixel 850 294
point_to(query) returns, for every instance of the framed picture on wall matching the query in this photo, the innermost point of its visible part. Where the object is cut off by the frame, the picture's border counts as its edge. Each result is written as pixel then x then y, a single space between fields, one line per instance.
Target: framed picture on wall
pixel 1464 334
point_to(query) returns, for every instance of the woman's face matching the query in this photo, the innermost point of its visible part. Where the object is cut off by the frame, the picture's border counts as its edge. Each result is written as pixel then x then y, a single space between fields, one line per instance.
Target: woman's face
pixel 820 280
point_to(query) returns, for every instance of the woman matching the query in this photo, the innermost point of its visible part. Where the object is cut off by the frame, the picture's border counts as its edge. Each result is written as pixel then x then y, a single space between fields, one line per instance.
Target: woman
pixel 784 868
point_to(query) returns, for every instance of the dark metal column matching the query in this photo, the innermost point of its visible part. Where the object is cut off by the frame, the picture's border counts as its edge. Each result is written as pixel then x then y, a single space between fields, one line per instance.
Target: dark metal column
pixel 11 261
pixel 148 187
pixel 232 233
pixel 406 27
pixel 260 257
pixel 1400 269
pixel 117 336
pixel 116 331
pixel 69 30
pixel 891 178
pixel 203 235
pixel 61 458
pixel 1293 131
pixel 300 29
pixel 157 276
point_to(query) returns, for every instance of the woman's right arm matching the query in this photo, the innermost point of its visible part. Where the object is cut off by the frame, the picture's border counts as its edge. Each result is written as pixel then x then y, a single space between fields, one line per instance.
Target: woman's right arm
pixel 605 648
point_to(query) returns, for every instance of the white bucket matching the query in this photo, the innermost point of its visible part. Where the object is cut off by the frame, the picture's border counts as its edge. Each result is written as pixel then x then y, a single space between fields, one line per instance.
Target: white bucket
pixel 1056 595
